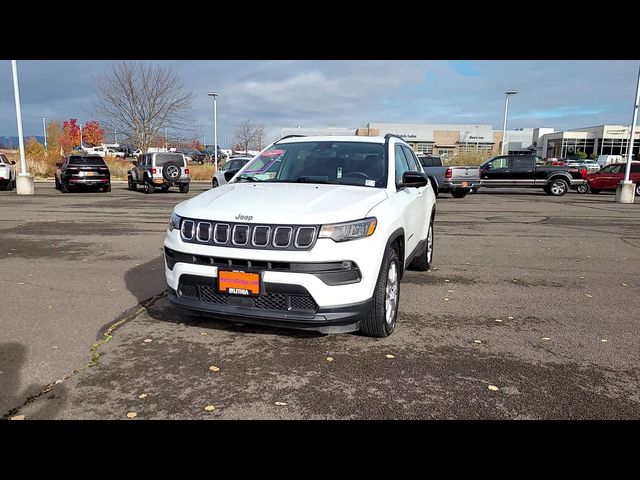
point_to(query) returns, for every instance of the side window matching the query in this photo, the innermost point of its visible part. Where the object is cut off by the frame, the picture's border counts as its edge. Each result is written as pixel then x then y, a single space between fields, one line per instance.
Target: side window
pixel 500 162
pixel 401 163
pixel 411 159
pixel 427 162
pixel 522 162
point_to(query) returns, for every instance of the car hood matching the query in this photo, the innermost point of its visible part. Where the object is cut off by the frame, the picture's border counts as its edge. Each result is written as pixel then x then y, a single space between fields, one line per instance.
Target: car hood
pixel 283 203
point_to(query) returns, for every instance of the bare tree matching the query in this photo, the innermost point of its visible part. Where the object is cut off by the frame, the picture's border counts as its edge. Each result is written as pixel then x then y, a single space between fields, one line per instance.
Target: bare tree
pixel 250 135
pixel 140 100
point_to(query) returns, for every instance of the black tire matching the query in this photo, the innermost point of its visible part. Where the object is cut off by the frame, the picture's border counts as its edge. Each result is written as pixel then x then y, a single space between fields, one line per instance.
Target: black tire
pixel 106 188
pixel 132 185
pixel 148 188
pixel 594 190
pixel 637 188
pixel 584 188
pixel 214 183
pixel 57 184
pixel 458 193
pixel 558 187
pixel 374 323
pixel 171 171
pixel 424 261
pixel 184 188
pixel 64 188
pixel 9 186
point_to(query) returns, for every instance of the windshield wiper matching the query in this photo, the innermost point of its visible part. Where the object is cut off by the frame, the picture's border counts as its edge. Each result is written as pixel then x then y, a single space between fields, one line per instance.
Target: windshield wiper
pixel 313 180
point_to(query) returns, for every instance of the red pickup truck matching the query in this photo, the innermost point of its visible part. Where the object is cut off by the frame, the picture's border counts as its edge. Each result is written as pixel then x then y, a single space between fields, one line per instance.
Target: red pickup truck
pixel 610 176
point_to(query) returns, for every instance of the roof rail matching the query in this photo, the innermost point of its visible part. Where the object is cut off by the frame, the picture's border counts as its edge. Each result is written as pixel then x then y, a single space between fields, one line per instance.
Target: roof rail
pixel 289 136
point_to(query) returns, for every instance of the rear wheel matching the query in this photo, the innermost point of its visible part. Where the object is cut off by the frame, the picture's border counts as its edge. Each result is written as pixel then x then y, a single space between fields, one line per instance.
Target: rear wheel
pixel 459 193
pixel 148 188
pixel 64 188
pixel 637 188
pixel 380 321
pixel 57 184
pixel 184 188
pixel 584 188
pixel 106 188
pixel 558 187
pixel 9 186
pixel 132 184
pixel 423 262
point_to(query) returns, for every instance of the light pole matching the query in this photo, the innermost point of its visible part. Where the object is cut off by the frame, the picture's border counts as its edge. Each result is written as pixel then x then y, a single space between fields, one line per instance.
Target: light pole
pixel 115 135
pixel 625 192
pixel 215 127
pixel 81 146
pixel 507 94
pixel 44 130
pixel 24 182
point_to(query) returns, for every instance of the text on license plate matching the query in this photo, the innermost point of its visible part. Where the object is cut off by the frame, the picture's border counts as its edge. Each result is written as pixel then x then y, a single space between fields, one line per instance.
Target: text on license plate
pixel 238 283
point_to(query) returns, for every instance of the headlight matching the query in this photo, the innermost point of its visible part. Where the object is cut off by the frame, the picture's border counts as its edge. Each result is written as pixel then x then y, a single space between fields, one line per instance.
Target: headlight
pixel 341 232
pixel 174 222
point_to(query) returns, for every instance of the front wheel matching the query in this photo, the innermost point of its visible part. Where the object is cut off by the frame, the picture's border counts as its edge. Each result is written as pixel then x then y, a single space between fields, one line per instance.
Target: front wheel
pixel 558 187
pixel 148 188
pixel 637 188
pixel 584 188
pixel 132 185
pixel 380 321
pixel 215 184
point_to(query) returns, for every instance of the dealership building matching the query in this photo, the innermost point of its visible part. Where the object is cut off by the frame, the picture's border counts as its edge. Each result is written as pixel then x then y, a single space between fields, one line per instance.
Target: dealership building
pixel 438 138
pixel 599 140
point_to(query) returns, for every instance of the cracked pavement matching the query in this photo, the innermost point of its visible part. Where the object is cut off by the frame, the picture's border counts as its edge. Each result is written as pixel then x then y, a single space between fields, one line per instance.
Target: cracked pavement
pixel 550 269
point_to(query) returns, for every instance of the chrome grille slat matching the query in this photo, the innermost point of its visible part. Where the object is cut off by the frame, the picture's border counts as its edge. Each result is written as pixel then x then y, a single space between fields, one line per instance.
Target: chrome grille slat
pixel 199 231
pixel 297 244
pixel 253 236
pixel 239 228
pixel 215 233
pixel 275 237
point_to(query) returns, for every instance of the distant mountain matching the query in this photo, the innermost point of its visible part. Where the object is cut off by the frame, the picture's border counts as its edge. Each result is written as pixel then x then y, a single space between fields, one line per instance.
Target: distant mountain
pixel 12 143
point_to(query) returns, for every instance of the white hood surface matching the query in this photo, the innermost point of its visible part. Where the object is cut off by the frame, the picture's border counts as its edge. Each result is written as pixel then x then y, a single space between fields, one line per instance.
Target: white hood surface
pixel 283 203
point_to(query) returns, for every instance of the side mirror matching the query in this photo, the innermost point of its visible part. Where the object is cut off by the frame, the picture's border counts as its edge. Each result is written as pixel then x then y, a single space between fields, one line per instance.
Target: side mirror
pixel 414 180
pixel 488 166
pixel 58 164
pixel 13 162
pixel 228 175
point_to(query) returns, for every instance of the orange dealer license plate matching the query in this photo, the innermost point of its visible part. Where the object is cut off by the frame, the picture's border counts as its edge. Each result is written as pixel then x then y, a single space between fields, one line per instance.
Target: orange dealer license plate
pixel 236 282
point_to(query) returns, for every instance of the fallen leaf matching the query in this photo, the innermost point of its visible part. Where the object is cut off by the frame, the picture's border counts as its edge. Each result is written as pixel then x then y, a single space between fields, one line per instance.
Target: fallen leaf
pixel 493 388
pixel 182 323
pixel 446 299
pixel 204 333
pixel 209 408
pixel 581 276
pixel 588 295
pixel 449 291
pixel 498 320
pixel 546 338
pixel 624 284
pixel 50 306
pixel 132 415
pixel 148 340
pixel 281 404
pixel 213 368
pixel 17 417
pixel 604 340
pixel 447 281
pixel 509 318
pixel 57 382
pixel 329 359
pixel 55 347
pixel 20 283
pixel 388 355
pixel 142 396
pixel 477 341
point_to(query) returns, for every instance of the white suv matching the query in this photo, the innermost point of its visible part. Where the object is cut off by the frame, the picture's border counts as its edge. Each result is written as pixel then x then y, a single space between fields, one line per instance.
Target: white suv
pixel 313 233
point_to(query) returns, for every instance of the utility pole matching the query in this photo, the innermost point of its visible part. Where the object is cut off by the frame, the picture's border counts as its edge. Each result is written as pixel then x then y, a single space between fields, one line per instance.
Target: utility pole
pixel 44 129
pixel 625 192
pixel 24 182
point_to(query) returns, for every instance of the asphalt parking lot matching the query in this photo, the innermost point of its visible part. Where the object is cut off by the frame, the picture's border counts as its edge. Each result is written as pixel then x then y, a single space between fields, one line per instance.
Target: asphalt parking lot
pixel 532 313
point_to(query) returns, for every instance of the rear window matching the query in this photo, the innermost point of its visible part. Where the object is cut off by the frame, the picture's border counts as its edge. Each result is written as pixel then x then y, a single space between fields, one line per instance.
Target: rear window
pixel 94 161
pixel 163 158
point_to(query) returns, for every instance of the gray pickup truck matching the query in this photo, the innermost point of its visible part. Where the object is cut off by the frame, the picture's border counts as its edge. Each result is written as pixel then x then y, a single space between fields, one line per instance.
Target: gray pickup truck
pixel 455 179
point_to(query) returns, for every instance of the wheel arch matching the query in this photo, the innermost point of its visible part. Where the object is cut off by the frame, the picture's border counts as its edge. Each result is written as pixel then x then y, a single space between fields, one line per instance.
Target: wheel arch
pixel 397 238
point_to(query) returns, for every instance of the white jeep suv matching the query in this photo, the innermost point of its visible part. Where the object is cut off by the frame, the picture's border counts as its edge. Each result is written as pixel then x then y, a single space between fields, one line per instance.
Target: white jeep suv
pixel 313 233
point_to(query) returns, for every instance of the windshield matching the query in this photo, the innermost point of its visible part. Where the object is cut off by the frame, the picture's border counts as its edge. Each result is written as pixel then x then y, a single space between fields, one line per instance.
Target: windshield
pixel 86 161
pixel 164 158
pixel 612 168
pixel 344 163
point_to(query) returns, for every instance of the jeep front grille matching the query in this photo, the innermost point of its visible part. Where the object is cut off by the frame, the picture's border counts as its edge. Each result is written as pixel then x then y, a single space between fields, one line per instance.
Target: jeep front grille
pixel 268 237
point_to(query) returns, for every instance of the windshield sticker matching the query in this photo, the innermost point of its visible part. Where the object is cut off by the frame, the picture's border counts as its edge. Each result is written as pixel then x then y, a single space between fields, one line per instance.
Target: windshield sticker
pixel 339 173
pixel 264 162
pixel 370 183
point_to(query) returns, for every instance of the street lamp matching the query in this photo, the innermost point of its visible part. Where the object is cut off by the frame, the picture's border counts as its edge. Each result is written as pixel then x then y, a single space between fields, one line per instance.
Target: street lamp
pixel 81 146
pixel 215 126
pixel 44 129
pixel 24 182
pixel 507 94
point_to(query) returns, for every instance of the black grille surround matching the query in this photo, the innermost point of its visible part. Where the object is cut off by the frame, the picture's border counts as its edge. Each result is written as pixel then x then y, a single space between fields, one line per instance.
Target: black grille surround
pixel 207 292
pixel 261 236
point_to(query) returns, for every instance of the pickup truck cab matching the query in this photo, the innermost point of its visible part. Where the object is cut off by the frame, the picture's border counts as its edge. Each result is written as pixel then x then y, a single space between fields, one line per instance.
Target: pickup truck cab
pixel 530 171
pixel 456 180
pixel 313 233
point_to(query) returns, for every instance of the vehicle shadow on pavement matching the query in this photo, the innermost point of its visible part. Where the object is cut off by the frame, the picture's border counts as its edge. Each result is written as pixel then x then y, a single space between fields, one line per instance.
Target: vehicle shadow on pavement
pixel 12 358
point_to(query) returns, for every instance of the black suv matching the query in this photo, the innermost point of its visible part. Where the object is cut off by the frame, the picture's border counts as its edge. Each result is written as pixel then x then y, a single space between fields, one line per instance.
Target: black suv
pixel 82 170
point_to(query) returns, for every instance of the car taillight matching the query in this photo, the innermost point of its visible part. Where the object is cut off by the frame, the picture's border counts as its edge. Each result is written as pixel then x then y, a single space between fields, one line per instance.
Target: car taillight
pixel 448 173
pixel 153 171
pixel 186 170
pixel 583 172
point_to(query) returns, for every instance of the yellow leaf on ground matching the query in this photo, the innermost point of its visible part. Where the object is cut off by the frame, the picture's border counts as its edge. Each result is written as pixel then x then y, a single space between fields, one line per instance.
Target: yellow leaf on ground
pixel 282 404
pixel 447 281
pixel 132 415
pixel 588 295
pixel 203 333
pixel 604 340
pixel 388 355
pixel 546 338
pixel 449 291
pixel 498 320
pixel 209 408
pixel 143 396
pixel 624 284
pixel 477 341
pixel 17 417
pixel 329 359
pixel 446 299
pixel 509 318
pixel 213 368
pixel 147 340
pixel 493 388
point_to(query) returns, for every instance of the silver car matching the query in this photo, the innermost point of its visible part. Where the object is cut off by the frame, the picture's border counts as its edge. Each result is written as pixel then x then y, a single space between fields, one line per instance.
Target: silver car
pixel 233 164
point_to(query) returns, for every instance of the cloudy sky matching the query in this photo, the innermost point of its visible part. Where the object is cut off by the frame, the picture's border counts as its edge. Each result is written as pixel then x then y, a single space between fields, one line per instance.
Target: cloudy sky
pixel 559 94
